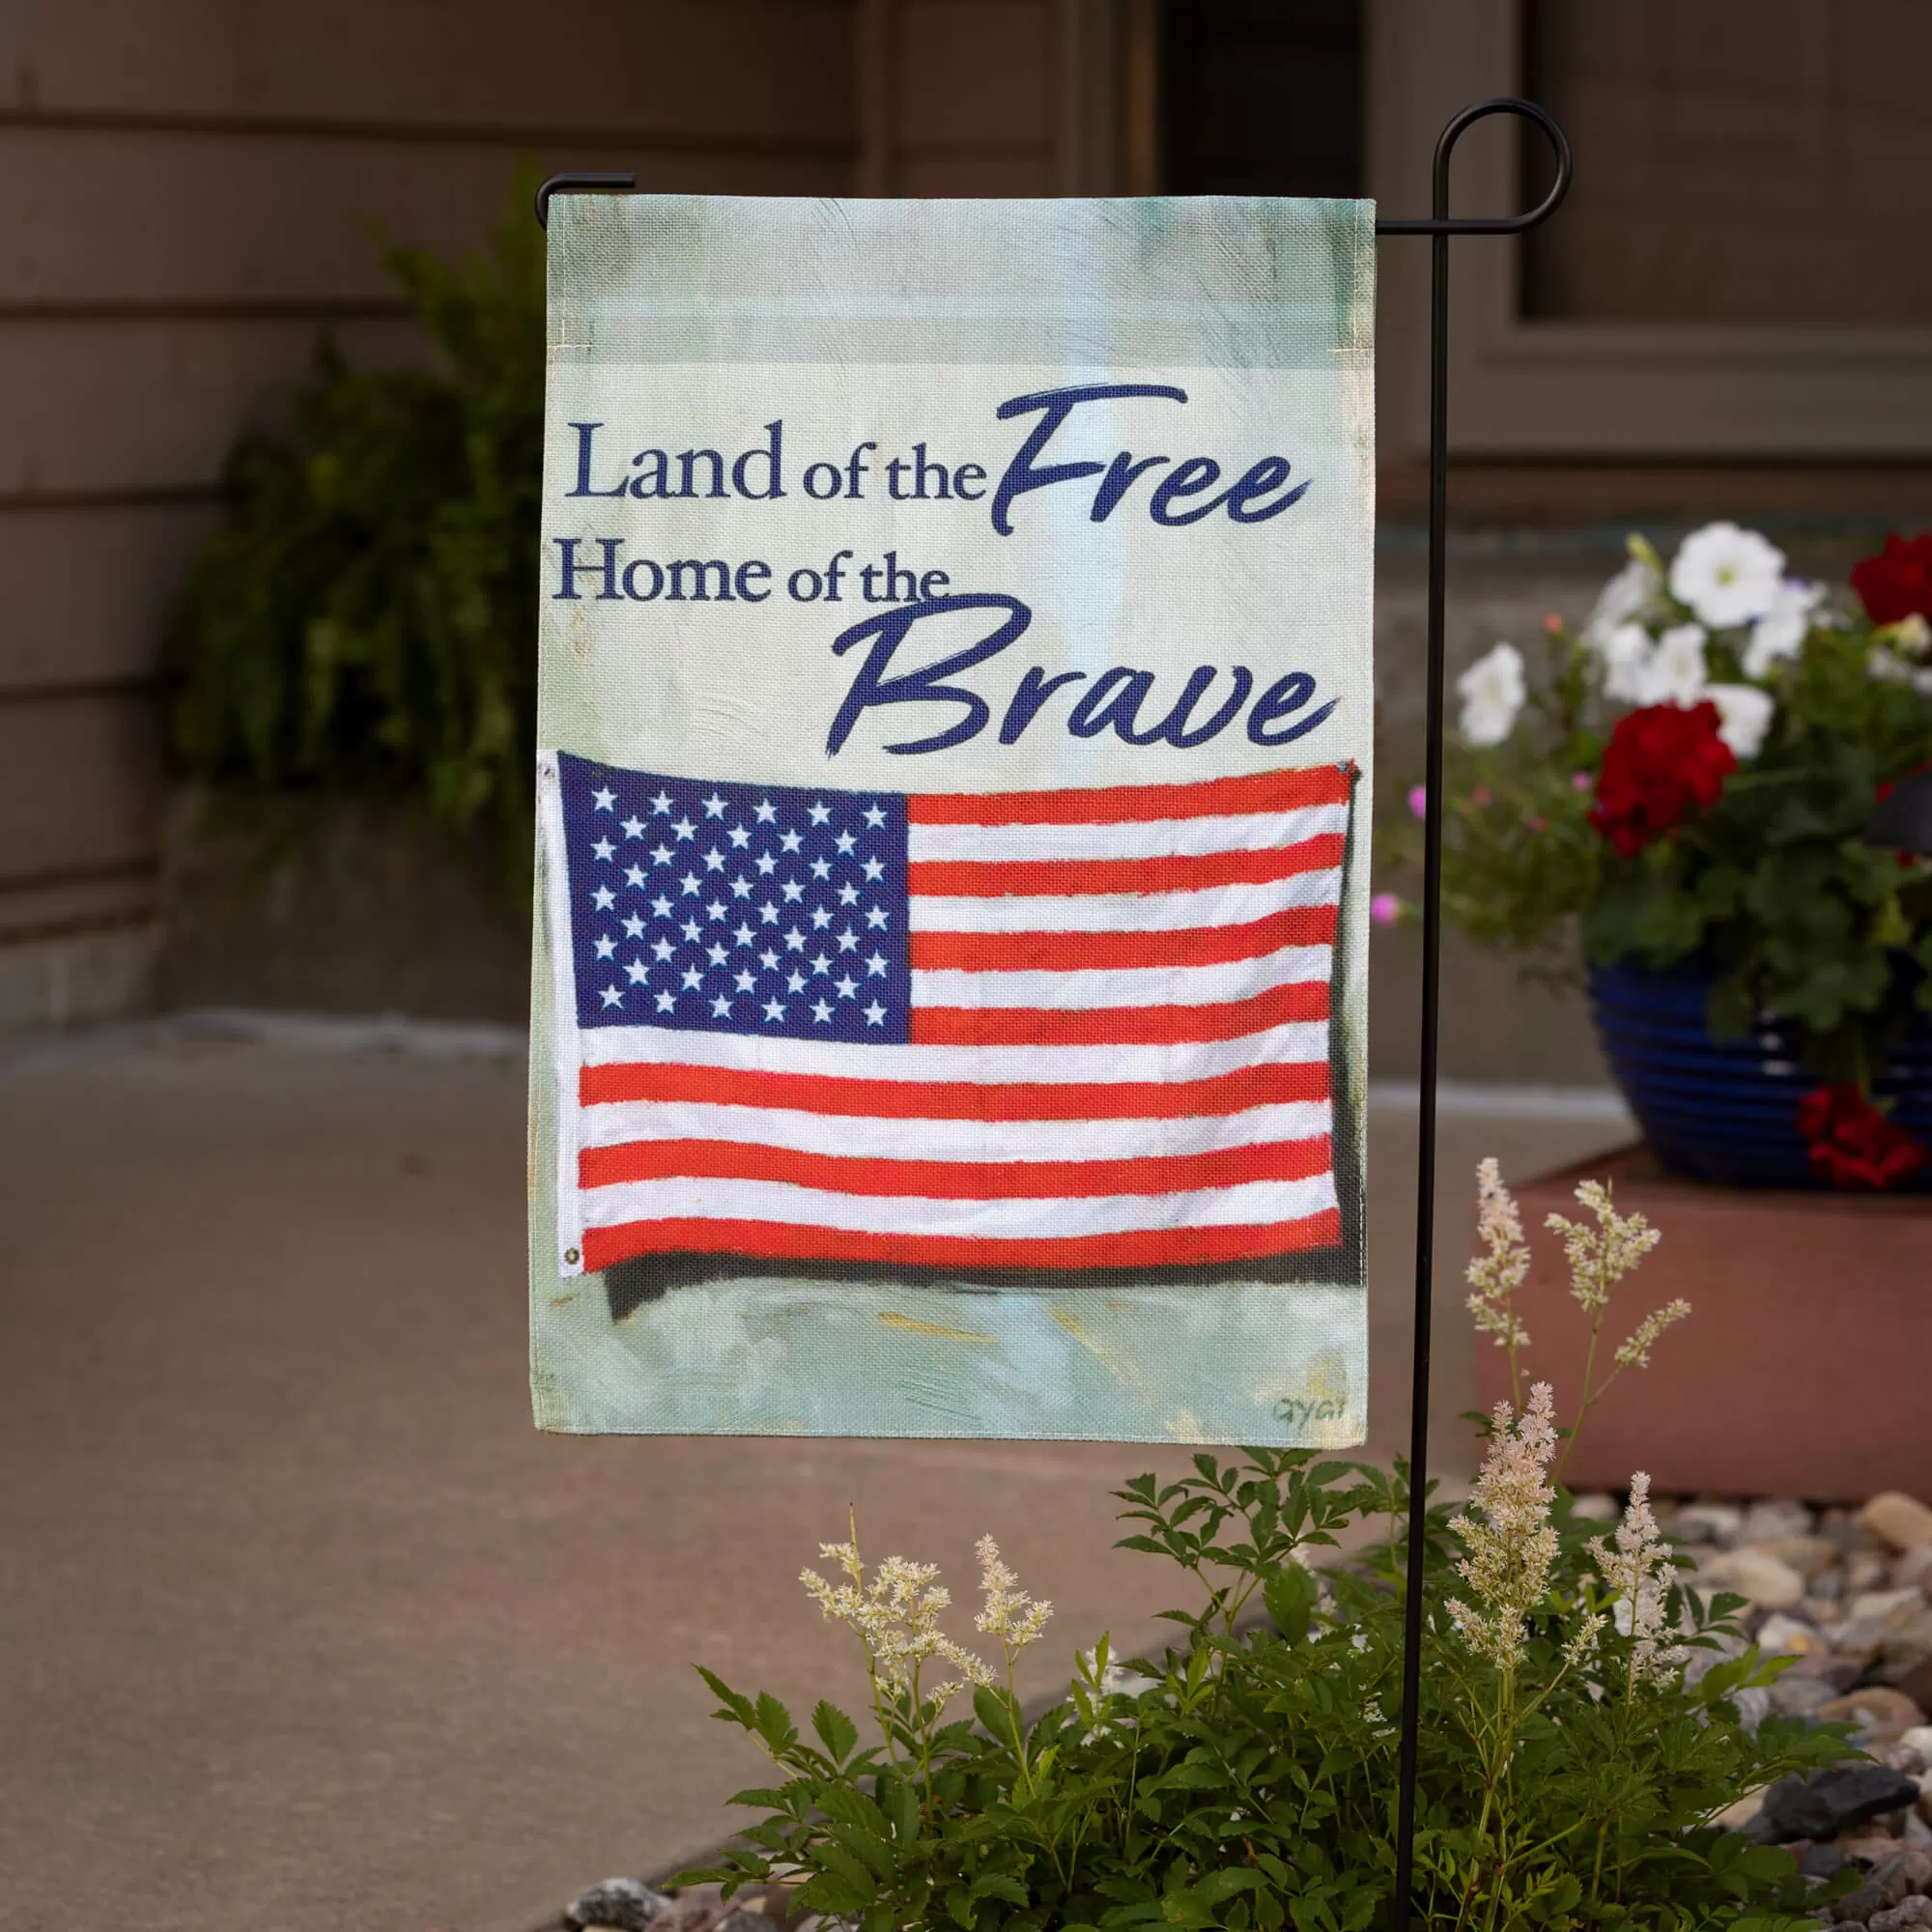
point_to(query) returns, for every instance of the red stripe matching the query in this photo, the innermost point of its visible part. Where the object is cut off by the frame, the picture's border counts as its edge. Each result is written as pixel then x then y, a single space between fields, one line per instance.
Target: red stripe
pixel 952 1180
pixel 1153 1247
pixel 1216 798
pixel 1071 952
pixel 997 878
pixel 960 1100
pixel 1117 1026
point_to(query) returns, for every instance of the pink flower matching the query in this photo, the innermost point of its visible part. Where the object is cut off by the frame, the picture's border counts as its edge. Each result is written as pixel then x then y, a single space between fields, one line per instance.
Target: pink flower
pixel 1552 623
pixel 1418 801
pixel 1386 908
pixel 1582 781
pixel 1480 797
pixel 1535 824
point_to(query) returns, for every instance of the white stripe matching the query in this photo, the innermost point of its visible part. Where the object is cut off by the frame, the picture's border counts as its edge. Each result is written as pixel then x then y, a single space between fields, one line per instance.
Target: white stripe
pixel 1125 912
pixel 616 1123
pixel 1121 986
pixel 1300 1041
pixel 1255 1204
pixel 555 867
pixel 1144 838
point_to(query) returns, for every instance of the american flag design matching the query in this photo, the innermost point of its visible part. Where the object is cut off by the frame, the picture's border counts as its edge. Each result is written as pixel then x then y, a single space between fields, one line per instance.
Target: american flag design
pixel 1048 1029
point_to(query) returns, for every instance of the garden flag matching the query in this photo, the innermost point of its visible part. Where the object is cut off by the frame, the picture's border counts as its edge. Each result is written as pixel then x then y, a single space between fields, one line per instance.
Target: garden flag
pixel 954 726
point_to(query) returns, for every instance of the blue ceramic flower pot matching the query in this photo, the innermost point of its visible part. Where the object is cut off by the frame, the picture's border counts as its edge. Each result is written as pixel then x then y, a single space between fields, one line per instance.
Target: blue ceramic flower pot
pixel 1726 1111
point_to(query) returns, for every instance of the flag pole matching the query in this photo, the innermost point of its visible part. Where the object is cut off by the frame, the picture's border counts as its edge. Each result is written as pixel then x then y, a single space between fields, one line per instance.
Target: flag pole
pixel 1439 227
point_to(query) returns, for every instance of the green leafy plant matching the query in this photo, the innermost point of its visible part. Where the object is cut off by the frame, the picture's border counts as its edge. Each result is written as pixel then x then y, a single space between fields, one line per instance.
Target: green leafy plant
pixel 365 623
pixel 1580 1732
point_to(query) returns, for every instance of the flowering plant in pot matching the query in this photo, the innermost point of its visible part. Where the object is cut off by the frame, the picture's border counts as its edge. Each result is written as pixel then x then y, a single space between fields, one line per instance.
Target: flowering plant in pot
pixel 1680 790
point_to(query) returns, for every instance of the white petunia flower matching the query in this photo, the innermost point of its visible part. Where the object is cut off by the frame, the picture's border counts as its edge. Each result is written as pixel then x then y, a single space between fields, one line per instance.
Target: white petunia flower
pixel 1726 576
pixel 1626 653
pixel 1782 631
pixel 1744 716
pixel 1492 690
pixel 1620 600
pixel 1674 672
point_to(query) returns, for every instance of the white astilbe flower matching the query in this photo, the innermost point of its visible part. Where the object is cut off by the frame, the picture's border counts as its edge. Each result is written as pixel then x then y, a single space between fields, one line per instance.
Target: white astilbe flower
pixel 1637 1568
pixel 1511 1543
pixel 1625 652
pixel 1495 1276
pixel 1492 690
pixel 1726 576
pixel 1744 716
pixel 1674 672
pixel 1008 1613
pixel 1624 597
pixel 1635 1352
pixel 1600 1256
pixel 1781 633
pixel 895 1616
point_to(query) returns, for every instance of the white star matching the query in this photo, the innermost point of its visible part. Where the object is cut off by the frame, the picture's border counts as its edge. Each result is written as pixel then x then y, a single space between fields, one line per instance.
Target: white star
pixel 766 863
pixel 769 960
pixel 612 997
pixel 876 965
pixel 666 1002
pixel 790 842
pixel 603 898
pixel 663 949
pixel 875 1014
pixel 774 1009
pixel 821 964
pixel 639 972
pixel 821 1012
pixel 819 812
pixel 875 918
pixel 604 946
pixel 846 986
pixel 714 806
pixel 765 811
pixel 604 801
pixel 689 884
pixel 661 906
pixel 684 829
pixel 874 870
pixel 794 940
pixel 739 837
pixel 769 913
pixel 821 868
pixel 848 940
pixel 720 1007
pixel 692 930
pixel 745 980
pixel 661 804
pixel 659 855
pixel 634 875
pixel 848 893
pixel 741 889
pixel 845 843
pixel 693 977
pixel 793 891
pixel 603 849
pixel 875 818
pixel 795 980
pixel 744 934
pixel 714 861
pixel 633 927
pixel 821 918
pixel 717 909
pixel 633 827
pixel 716 954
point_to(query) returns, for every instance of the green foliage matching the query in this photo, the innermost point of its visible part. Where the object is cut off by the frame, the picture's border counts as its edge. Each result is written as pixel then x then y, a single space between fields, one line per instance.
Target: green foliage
pixel 365 623
pixel 1774 887
pixel 1252 1784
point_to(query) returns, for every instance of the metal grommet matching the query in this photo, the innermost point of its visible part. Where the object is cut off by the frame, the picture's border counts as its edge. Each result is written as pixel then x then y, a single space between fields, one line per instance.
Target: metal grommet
pixel 570 1257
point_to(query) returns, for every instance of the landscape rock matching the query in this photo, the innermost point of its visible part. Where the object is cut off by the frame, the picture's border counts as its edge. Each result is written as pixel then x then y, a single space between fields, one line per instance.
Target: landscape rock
pixel 1907 1637
pixel 1707 1522
pixel 1866 1570
pixel 1914 1567
pixel 1914 1680
pixel 1885 1604
pixel 1780 1635
pixel 1899 1877
pixel 1912 1911
pixel 1824 1803
pixel 1595 1506
pixel 1776 1516
pixel 1795 1696
pixel 1876 1707
pixel 1902 1521
pixel 1814 1557
pixel 618 1904
pixel 1755 1575
pixel 1821 1861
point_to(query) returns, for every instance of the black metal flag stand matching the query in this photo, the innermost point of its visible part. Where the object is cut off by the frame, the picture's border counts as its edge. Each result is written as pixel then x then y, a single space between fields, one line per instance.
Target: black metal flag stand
pixel 1440 227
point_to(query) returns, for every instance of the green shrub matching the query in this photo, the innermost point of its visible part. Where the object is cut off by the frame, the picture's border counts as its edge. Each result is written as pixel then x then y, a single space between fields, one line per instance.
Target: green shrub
pixel 365 623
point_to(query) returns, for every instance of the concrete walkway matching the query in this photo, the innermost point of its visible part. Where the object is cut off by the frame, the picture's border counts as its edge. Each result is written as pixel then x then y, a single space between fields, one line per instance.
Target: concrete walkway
pixel 304 1628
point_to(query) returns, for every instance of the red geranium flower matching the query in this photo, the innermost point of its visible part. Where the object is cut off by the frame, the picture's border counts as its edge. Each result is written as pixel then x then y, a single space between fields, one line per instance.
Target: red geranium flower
pixel 1850 1143
pixel 1660 763
pixel 1898 581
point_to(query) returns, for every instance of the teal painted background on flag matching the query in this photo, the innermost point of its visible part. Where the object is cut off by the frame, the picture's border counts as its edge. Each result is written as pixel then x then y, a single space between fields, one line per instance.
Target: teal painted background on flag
pixel 694 323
